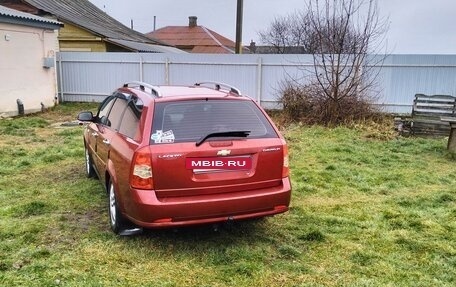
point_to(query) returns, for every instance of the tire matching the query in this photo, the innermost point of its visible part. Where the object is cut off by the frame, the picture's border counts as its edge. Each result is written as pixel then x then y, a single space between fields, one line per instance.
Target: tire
pixel 90 170
pixel 116 219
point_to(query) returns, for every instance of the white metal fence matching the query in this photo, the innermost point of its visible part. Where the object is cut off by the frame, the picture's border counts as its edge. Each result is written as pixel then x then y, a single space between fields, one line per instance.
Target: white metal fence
pixel 93 76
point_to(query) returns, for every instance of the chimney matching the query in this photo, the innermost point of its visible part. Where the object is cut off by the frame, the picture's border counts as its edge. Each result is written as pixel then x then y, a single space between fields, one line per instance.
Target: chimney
pixel 252 47
pixel 192 21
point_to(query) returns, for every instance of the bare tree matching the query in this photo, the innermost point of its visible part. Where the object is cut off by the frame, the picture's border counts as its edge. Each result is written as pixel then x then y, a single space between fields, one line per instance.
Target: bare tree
pixel 278 35
pixel 346 32
pixel 345 38
pixel 288 33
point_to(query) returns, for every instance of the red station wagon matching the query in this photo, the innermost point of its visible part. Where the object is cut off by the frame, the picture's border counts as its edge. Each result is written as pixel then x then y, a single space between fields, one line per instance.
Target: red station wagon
pixel 173 156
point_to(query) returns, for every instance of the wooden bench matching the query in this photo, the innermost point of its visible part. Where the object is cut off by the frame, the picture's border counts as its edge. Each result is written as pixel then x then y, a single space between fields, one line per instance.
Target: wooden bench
pixel 427 112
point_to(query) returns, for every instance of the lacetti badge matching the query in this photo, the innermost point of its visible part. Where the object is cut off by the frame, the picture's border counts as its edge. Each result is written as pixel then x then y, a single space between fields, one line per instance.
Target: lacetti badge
pixel 224 152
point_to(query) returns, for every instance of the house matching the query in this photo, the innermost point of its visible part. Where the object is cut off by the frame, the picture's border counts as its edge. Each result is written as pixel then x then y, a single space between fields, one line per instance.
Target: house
pixel 254 49
pixel 194 38
pixel 87 28
pixel 28 44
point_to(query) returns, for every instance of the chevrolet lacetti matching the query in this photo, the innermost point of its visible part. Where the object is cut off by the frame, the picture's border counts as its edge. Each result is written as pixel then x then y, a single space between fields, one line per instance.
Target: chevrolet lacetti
pixel 173 156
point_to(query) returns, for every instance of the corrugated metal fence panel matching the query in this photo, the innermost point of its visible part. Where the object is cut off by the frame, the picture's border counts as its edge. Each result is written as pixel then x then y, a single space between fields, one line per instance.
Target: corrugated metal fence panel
pixel 278 71
pixel 236 70
pixel 403 76
pixel 92 76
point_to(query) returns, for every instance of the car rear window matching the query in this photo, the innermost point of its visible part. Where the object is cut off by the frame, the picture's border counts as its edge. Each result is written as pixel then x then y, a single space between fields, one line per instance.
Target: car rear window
pixel 189 121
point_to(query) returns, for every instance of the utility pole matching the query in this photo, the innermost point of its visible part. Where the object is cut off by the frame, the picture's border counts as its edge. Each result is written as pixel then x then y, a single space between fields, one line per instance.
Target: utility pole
pixel 240 5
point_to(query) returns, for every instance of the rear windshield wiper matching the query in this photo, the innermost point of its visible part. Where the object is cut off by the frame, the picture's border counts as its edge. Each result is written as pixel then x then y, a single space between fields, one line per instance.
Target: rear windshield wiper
pixel 241 134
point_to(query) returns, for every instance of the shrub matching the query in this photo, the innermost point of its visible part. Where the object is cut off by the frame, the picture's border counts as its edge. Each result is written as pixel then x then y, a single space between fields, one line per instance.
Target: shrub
pixel 309 105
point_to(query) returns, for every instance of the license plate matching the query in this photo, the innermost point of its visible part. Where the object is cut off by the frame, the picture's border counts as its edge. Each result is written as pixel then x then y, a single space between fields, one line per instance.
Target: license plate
pixel 221 163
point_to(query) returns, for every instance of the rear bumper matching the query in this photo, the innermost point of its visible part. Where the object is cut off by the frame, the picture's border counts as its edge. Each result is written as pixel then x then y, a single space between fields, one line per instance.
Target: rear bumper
pixel 149 212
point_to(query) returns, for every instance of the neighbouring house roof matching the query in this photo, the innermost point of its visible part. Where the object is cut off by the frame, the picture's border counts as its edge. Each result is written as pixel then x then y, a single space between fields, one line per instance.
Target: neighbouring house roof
pixel 194 38
pixel 144 47
pixel 12 16
pixel 84 14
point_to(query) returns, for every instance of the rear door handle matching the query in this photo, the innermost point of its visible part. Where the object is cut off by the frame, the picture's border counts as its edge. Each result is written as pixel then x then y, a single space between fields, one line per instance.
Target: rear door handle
pixel 105 141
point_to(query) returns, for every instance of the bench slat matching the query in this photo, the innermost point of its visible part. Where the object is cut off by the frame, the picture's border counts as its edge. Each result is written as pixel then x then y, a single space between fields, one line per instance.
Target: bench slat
pixel 433 109
pixel 423 96
pixel 430 121
pixel 443 105
pixel 430 115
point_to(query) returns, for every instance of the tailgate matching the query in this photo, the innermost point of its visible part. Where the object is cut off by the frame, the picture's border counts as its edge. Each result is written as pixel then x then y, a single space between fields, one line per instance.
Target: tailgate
pixel 216 167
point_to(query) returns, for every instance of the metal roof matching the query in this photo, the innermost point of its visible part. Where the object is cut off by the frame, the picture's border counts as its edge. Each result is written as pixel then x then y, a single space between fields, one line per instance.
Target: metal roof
pixel 198 39
pixel 86 15
pixel 11 13
pixel 145 47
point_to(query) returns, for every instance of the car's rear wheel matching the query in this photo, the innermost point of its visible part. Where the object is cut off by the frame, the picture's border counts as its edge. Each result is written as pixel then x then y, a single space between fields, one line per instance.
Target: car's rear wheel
pixel 116 220
pixel 90 171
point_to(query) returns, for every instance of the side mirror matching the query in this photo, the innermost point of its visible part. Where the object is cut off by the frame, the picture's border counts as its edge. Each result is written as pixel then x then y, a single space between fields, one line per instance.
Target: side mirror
pixel 85 117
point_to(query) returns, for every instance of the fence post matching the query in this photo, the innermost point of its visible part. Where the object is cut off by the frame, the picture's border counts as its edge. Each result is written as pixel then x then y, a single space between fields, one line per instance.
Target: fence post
pixel 167 71
pixel 141 69
pixel 259 80
pixel 59 58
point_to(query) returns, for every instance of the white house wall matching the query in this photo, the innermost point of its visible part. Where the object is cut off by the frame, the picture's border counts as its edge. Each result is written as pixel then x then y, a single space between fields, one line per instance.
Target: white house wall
pixel 22 75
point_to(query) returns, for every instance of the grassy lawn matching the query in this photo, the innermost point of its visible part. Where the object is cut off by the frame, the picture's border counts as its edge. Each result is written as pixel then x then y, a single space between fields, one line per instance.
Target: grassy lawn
pixel 365 212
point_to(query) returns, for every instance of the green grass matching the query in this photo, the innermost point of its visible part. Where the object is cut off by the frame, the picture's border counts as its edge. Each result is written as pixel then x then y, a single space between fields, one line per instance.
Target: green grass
pixel 364 212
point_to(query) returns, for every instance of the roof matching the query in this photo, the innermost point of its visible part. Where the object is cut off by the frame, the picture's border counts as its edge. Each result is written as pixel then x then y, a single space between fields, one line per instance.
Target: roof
pixel 198 39
pixel 144 47
pixel 17 17
pixel 84 14
pixel 172 91
pixel 198 90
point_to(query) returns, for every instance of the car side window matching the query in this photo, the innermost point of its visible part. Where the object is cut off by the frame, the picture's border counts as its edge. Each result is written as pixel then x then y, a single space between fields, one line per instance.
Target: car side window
pixel 116 113
pixel 130 121
pixel 104 109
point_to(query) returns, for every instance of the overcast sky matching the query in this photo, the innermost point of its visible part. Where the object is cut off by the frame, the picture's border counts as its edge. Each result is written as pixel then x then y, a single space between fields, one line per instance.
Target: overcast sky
pixel 416 26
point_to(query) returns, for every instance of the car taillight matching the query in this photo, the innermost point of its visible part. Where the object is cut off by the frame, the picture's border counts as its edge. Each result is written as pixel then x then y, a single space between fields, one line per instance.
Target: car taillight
pixel 285 168
pixel 141 171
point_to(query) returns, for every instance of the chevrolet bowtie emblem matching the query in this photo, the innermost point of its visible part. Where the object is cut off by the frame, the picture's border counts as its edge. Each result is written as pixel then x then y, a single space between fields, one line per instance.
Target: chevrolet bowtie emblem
pixel 224 152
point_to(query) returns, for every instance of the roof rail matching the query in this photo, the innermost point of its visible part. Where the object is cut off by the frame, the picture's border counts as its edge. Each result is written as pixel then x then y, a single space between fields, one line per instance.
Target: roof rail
pixel 218 86
pixel 154 90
